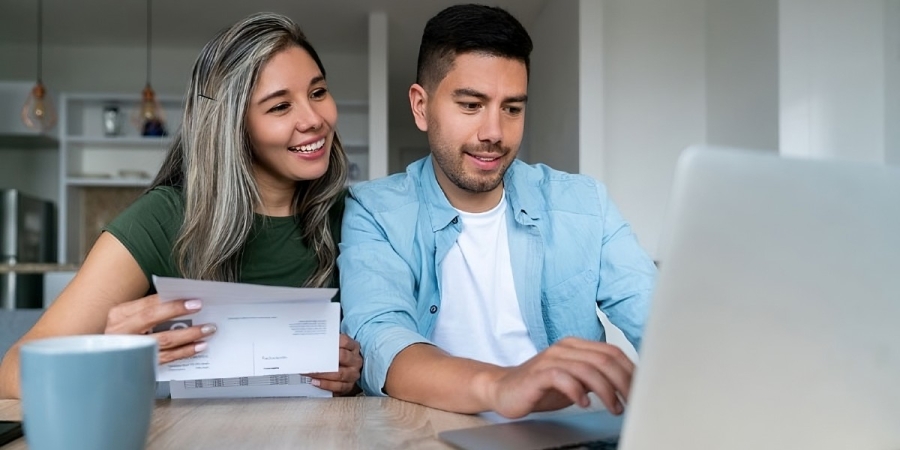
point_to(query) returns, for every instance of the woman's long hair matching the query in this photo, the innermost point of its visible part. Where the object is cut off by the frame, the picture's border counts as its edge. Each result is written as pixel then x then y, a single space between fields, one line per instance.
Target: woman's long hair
pixel 211 158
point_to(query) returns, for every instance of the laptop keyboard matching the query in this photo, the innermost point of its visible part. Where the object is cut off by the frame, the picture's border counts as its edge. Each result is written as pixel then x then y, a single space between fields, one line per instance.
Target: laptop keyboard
pixel 592 445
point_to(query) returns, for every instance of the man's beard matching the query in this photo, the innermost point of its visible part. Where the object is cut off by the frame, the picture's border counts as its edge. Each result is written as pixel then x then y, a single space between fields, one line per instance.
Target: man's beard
pixel 454 168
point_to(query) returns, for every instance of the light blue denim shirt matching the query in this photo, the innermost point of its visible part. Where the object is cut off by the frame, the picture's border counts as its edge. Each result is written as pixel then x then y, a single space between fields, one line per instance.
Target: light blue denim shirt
pixel 570 250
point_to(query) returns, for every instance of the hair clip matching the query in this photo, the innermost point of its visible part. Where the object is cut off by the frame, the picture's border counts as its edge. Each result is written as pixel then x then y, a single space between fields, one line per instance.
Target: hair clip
pixel 206 97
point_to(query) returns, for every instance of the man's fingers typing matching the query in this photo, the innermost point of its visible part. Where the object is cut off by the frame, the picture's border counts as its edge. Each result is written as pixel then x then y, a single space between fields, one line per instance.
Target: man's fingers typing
pixel 593 367
pixel 600 348
pixel 598 382
pixel 564 374
pixel 604 359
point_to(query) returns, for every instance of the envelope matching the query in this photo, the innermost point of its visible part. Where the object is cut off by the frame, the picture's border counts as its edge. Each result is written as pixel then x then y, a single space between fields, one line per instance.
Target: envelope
pixel 261 330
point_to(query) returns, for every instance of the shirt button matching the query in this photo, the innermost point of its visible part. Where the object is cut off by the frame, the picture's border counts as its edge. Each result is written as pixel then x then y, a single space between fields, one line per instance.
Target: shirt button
pixel 455 220
pixel 433 307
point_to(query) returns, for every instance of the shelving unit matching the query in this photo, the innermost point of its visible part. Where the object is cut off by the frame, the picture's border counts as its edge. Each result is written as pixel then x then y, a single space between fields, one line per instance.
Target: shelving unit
pixel 88 158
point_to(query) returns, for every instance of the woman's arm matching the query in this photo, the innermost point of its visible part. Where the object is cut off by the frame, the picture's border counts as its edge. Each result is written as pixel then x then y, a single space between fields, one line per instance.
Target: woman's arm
pixel 95 302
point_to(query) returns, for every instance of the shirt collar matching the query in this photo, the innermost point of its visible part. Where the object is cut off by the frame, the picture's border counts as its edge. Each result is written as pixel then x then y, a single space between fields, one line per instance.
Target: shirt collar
pixel 521 197
pixel 440 210
pixel 522 193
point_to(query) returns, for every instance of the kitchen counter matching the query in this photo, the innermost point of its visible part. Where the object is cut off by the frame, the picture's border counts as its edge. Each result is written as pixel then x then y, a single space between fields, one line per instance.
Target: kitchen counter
pixel 37 268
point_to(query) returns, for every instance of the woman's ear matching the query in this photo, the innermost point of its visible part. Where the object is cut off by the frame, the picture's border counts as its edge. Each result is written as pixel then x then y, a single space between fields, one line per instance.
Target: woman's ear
pixel 418 100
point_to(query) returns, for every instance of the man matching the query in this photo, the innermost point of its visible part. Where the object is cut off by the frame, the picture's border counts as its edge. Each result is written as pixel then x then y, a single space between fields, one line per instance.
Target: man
pixel 471 281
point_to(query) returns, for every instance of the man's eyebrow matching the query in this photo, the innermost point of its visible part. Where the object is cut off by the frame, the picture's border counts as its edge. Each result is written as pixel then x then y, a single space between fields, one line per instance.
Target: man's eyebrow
pixel 468 92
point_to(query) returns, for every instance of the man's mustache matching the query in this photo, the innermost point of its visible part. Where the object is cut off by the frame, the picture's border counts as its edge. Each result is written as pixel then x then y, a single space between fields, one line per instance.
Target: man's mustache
pixel 486 148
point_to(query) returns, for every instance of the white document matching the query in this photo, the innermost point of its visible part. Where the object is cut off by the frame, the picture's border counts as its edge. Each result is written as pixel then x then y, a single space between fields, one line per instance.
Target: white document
pixel 242 387
pixel 261 330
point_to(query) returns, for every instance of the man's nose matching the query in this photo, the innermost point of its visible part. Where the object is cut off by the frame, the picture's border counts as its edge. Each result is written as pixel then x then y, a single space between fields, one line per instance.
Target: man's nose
pixel 490 130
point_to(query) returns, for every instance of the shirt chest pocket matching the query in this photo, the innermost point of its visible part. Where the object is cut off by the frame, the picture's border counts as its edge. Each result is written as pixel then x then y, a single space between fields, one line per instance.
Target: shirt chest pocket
pixel 569 307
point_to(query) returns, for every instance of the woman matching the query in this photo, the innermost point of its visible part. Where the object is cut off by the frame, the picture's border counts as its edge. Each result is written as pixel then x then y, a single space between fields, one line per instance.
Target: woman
pixel 251 191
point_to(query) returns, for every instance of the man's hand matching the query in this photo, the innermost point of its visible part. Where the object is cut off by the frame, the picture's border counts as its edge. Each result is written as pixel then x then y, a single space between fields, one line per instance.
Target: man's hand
pixel 141 315
pixel 560 376
pixel 344 380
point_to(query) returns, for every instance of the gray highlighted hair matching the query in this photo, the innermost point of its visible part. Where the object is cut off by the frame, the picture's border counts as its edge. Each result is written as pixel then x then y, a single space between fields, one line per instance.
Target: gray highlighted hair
pixel 211 158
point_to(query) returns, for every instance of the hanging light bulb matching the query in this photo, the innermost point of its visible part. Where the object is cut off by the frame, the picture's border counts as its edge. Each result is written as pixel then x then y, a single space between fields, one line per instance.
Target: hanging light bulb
pixel 149 118
pixel 38 112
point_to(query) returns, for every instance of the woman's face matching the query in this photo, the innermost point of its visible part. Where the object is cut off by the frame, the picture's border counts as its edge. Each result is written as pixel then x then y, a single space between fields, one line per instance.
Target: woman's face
pixel 291 120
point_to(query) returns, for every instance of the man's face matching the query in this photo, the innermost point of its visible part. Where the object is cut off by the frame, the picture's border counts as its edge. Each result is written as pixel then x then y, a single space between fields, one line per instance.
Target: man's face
pixel 474 118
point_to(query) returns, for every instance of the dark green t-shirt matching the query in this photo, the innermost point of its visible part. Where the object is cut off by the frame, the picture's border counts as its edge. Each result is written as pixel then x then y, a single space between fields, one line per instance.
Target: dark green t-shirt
pixel 274 254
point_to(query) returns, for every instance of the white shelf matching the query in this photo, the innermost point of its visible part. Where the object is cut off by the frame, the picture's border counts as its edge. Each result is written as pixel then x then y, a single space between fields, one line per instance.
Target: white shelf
pixel 119 97
pixel 27 141
pixel 120 141
pixel 108 182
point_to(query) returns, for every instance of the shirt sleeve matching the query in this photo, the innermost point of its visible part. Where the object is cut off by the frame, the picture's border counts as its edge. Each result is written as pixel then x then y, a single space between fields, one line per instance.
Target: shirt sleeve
pixel 627 274
pixel 377 294
pixel 148 229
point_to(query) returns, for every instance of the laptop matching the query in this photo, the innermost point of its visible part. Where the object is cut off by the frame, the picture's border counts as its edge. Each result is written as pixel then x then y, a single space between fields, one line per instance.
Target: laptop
pixel 776 318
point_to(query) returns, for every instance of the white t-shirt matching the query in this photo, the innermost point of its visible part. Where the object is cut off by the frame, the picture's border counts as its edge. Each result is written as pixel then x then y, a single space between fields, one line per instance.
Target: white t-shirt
pixel 480 317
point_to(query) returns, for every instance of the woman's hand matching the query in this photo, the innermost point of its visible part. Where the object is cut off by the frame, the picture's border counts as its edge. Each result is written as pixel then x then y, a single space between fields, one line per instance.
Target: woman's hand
pixel 342 382
pixel 141 315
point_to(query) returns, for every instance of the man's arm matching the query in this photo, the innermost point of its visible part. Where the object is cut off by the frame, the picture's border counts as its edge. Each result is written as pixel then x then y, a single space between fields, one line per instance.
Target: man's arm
pixel 627 274
pixel 427 375
pixel 558 377
pixel 377 292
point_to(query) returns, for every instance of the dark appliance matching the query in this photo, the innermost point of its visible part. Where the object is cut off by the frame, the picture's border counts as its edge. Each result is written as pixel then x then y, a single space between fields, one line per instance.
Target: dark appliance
pixel 27 235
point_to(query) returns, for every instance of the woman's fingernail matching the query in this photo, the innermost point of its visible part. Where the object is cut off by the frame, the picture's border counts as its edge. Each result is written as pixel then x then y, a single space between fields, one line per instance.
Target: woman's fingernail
pixel 209 328
pixel 315 382
pixel 193 304
pixel 200 347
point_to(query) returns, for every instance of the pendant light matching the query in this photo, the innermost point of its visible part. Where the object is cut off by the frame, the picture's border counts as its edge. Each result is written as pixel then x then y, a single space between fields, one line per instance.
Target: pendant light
pixel 150 119
pixel 38 112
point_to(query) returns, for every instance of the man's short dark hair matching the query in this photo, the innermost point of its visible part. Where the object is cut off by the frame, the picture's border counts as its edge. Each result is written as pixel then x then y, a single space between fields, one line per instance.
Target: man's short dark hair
pixel 469 28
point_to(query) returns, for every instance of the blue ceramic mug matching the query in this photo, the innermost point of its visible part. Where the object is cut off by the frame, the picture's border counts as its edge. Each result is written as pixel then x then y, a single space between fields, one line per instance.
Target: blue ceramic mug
pixel 88 392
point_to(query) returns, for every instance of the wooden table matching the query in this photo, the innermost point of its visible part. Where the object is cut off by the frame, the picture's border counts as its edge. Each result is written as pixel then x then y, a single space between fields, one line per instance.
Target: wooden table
pixel 289 423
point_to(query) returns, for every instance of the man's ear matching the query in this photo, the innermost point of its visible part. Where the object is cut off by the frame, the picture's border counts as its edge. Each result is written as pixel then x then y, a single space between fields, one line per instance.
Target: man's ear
pixel 418 101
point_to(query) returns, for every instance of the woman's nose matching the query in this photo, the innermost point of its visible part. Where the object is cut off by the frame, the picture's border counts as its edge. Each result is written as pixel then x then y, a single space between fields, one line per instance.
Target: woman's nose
pixel 309 120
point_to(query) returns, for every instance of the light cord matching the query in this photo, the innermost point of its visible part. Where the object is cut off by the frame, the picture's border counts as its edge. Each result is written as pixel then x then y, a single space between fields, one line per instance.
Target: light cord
pixel 40 44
